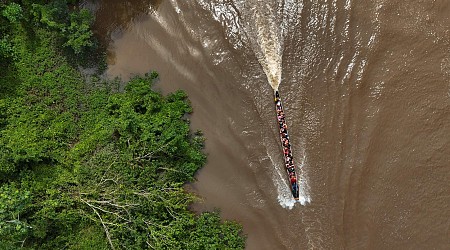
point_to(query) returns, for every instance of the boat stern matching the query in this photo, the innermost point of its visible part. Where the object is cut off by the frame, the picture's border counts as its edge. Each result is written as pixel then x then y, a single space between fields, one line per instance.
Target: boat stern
pixel 295 190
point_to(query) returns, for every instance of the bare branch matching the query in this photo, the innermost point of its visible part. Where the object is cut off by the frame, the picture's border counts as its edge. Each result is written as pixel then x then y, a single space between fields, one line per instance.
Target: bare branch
pixel 103 223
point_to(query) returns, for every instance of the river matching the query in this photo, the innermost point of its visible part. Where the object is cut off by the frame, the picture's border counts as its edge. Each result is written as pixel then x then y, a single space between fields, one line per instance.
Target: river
pixel 366 90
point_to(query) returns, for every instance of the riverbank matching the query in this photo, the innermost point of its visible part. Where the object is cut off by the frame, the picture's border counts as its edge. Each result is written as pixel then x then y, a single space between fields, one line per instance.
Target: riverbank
pixel 84 165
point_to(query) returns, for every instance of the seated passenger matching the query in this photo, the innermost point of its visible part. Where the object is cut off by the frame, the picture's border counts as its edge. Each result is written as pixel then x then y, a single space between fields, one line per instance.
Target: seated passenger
pixel 293 179
pixel 295 188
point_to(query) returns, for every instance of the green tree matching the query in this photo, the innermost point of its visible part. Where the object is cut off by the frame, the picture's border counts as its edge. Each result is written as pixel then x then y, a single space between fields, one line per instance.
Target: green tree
pixel 78 32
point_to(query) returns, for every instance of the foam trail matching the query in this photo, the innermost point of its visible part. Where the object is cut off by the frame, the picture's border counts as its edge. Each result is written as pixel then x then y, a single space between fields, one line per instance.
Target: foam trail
pixel 284 192
pixel 269 41
pixel 304 196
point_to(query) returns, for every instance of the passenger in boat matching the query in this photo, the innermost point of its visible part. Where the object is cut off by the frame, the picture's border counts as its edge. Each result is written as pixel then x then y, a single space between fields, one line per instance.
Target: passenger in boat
pixel 288 159
pixel 290 162
pixel 288 156
pixel 294 187
pixel 288 153
pixel 293 180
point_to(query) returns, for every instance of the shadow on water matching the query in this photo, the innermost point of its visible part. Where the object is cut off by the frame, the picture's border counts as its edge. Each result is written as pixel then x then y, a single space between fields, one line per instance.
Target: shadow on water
pixel 108 24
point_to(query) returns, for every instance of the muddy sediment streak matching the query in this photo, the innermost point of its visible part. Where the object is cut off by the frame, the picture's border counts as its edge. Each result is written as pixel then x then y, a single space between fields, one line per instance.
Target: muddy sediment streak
pixel 366 86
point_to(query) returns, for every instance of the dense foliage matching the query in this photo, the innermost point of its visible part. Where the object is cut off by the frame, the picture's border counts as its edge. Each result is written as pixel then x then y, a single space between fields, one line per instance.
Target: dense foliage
pixel 83 165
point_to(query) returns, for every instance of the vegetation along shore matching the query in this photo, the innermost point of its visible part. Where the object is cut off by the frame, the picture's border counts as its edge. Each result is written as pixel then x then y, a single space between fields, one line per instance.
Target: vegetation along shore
pixel 84 164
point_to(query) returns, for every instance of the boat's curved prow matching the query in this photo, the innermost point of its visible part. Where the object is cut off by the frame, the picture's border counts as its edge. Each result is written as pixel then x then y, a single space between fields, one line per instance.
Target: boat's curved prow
pixel 286 145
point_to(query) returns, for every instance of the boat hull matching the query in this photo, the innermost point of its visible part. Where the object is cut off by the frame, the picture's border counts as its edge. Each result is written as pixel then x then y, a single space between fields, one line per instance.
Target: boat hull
pixel 286 146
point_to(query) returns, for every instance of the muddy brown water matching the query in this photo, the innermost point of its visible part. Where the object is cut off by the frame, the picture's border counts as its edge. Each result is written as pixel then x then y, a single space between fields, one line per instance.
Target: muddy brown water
pixel 366 90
